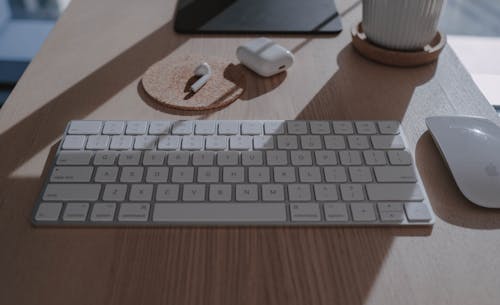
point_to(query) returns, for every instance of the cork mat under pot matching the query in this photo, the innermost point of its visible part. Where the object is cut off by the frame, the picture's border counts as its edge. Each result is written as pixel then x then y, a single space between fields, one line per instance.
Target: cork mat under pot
pixel 168 82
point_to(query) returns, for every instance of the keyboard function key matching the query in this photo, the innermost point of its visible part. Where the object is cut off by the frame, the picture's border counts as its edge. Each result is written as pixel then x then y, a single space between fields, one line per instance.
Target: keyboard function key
pixel 251 128
pixel 342 127
pixel 229 127
pixel 113 128
pixel 205 127
pixel 296 127
pixel 274 127
pixel 320 127
pixel 365 127
pixel 97 142
pixel 159 127
pixel 388 127
pixel 182 128
pixel 136 127
pixel 84 127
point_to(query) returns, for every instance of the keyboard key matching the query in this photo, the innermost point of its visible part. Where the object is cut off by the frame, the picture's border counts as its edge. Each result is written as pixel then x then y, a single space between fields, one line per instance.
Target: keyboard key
pixel 141 192
pixel 309 174
pixel 114 192
pixel 342 127
pixel 350 157
pixel 301 157
pixel 178 158
pixel 259 174
pixel 363 211
pixel 325 192
pixel 310 142
pixel 208 174
pixel 182 174
pixel 193 192
pixel 71 192
pixel 417 212
pixel 220 212
pixel 251 158
pixel 154 158
pixel 284 174
pixel 182 128
pixel 358 142
pixel 129 158
pixel 388 127
pixel 132 174
pixel 167 192
pixel 233 174
pixel 106 174
pixel 145 142
pixel 156 174
pixel 105 157
pixel 192 143
pixel 274 127
pixel 399 157
pixel 325 157
pixel 263 142
pixel 71 174
pixel 229 127
pixel 287 142
pixel 85 127
pixel 276 157
pixel 395 174
pixel 360 174
pixel 159 127
pixel 103 212
pixel 251 128
pixel 205 128
pixel 374 157
pixel 320 127
pixel 364 127
pixel 220 192
pixel 74 142
pixel 216 143
pixel 387 142
pixel 203 158
pixel 352 192
pixel 296 127
pixel 113 127
pixel 48 211
pixel 336 212
pixel 121 142
pixel 136 127
pixel 273 192
pixel 240 142
pixel 394 192
pixel 334 142
pixel 76 212
pixel 133 212
pixel 305 212
pixel 246 192
pixel 169 142
pixel 335 174
pixel 228 158
pixel 299 192
pixel 74 158
pixel 97 142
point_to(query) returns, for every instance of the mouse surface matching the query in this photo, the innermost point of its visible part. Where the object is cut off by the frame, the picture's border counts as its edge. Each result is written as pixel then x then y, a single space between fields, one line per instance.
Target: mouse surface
pixel 471 148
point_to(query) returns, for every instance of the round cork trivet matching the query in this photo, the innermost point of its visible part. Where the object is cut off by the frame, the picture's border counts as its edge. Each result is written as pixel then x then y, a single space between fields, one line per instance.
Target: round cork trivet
pixel 169 82
pixel 427 55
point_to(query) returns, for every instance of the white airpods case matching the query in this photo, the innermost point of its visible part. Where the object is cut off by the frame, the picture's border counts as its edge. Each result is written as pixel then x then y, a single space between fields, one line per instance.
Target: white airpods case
pixel 264 56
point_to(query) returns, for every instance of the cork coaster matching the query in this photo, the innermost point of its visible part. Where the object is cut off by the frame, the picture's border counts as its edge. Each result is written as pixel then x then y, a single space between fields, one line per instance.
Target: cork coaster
pixel 427 55
pixel 169 81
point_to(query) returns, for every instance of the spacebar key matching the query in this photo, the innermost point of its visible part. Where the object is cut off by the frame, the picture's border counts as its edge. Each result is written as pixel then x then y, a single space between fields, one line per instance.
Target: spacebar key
pixel 71 192
pixel 394 192
pixel 220 212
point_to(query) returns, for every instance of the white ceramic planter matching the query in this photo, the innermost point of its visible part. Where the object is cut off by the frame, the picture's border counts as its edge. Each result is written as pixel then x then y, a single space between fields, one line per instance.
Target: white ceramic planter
pixel 401 24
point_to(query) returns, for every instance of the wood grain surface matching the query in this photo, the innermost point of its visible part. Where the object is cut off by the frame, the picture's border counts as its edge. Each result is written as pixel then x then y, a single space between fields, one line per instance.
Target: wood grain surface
pixel 90 68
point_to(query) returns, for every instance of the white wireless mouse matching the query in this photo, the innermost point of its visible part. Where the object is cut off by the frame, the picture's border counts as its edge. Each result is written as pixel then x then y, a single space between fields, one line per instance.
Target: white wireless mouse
pixel 471 148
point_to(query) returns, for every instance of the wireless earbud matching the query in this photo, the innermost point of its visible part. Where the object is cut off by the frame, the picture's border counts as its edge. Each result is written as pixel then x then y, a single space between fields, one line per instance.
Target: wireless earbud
pixel 205 72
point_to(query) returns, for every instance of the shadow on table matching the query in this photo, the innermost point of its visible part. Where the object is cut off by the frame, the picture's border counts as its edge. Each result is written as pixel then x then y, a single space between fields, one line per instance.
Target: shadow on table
pixel 88 94
pixel 365 90
pixel 445 197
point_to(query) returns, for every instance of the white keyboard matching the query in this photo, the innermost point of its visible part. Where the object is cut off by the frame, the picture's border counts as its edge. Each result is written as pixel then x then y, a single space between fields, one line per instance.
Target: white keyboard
pixel 157 173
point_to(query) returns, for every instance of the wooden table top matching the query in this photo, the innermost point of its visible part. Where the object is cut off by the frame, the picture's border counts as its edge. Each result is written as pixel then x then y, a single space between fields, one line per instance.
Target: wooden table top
pixel 90 68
